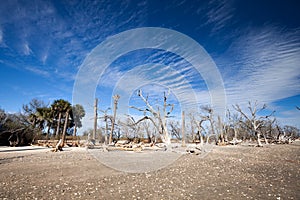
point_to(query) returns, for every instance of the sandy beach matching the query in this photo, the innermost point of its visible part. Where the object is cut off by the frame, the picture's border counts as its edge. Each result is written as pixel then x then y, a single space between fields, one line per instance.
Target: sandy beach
pixel 228 172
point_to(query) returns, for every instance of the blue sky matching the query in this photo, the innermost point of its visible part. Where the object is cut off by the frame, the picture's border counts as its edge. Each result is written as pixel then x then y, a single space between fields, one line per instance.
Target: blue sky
pixel 254 44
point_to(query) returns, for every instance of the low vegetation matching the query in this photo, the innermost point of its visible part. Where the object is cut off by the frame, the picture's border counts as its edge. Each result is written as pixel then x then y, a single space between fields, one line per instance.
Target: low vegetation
pixel 40 121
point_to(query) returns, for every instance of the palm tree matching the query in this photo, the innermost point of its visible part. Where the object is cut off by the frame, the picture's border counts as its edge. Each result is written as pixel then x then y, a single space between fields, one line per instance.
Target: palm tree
pixel 60 107
pixel 78 114
pixel 40 115
pixel 47 115
pixel 39 121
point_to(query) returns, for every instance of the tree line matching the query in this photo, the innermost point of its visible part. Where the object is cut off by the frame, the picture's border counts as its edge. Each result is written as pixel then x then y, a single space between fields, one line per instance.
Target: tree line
pixel 253 123
pixel 37 120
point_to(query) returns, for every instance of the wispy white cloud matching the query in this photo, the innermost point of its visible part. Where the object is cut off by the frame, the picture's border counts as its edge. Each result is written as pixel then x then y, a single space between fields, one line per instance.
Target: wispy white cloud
pixel 111 77
pixel 218 14
pixel 26 49
pixel 265 66
pixel 44 57
pixel 156 79
pixel 38 71
pixel 262 64
pixel 92 22
pixel 57 42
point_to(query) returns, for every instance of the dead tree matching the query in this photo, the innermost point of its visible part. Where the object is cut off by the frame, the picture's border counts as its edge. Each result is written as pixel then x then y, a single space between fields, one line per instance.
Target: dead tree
pixel 196 122
pixel 211 118
pixel 200 128
pixel 290 133
pixel 93 132
pixel 157 117
pixel 95 119
pixel 183 129
pixel 221 131
pixel 175 129
pixel 116 99
pixel 233 124
pixel 126 128
pixel 150 133
pixel 191 118
pixel 132 129
pixel 253 121
pixel 106 117
pixel 267 129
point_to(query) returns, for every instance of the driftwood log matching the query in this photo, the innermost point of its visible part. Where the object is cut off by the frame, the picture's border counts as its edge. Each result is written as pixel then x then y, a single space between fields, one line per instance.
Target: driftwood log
pixel 58 146
pixel 194 150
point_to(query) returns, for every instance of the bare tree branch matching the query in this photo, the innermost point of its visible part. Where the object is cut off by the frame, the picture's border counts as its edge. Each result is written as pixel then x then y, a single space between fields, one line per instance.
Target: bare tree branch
pixel 138 109
pixel 159 119
pixel 146 102
pixel 238 109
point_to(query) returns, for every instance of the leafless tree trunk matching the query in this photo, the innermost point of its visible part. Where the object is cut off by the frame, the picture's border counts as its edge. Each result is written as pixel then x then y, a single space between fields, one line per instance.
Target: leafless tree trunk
pixel 268 129
pixel 200 129
pixel 253 119
pixel 221 130
pixel 158 119
pixel 234 121
pixel 266 139
pixel 131 128
pixel 192 122
pixel 106 130
pixel 116 99
pixel 175 129
pixel 235 130
pixel 183 129
pixel 235 124
pixel 210 118
pixel 95 119
pixel 106 117
pixel 58 146
pixel 198 124
pixel 150 135
pixel 163 122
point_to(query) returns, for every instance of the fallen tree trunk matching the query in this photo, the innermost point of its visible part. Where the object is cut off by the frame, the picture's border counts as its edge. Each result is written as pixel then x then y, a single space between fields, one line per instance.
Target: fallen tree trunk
pixel 58 146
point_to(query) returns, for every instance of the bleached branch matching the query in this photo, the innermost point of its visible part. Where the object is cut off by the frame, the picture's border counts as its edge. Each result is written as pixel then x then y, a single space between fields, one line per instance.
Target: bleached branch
pixel 146 102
